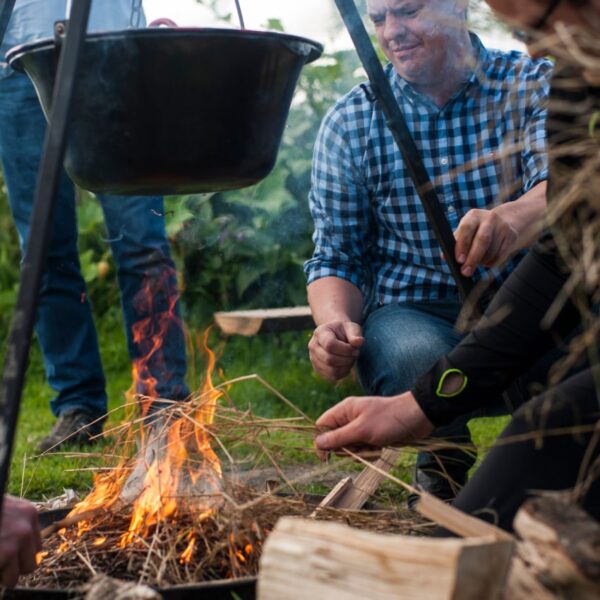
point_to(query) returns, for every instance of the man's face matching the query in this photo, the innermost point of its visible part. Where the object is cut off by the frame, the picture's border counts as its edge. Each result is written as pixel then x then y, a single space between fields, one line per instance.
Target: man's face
pixel 419 37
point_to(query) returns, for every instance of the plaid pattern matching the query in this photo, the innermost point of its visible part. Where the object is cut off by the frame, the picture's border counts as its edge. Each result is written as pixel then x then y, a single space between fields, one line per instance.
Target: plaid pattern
pixel 486 146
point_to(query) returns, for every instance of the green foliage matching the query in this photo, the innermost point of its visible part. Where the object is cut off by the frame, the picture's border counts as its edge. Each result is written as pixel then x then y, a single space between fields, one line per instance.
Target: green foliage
pixel 97 265
pixel 10 258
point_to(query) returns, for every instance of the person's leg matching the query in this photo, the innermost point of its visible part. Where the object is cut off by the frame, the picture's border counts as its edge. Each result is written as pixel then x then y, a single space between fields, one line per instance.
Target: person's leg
pixel 64 325
pixel 149 295
pixel 552 443
pixel 402 341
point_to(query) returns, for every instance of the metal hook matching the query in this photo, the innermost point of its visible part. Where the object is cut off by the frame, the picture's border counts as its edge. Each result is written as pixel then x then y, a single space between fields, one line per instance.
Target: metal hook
pixel 239 12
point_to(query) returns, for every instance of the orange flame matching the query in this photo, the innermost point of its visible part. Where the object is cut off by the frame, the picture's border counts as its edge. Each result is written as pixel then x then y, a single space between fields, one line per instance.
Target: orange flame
pixel 176 470
pixel 150 332
pixel 188 553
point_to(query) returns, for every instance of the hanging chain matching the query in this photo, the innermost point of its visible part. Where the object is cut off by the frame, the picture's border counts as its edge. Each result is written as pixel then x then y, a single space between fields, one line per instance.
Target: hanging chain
pixel 136 14
pixel 240 15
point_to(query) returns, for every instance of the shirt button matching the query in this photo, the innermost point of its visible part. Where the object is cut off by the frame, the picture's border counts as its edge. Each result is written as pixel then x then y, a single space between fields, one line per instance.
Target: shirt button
pixel 444 161
pixel 451 209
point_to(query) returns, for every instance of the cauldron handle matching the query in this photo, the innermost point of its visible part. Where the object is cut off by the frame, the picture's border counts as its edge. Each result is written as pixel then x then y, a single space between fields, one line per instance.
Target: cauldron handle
pixel 163 21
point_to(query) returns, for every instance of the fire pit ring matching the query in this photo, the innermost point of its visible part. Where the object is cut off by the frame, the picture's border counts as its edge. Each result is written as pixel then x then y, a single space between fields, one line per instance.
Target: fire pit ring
pixel 243 588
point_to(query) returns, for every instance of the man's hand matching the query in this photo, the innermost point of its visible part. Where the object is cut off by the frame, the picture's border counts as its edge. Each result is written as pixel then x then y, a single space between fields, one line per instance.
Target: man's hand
pixel 333 348
pixel 372 421
pixel 19 540
pixel 484 237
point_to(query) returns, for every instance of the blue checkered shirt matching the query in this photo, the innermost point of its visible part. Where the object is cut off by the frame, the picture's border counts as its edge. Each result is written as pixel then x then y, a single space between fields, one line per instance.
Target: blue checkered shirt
pixel 485 146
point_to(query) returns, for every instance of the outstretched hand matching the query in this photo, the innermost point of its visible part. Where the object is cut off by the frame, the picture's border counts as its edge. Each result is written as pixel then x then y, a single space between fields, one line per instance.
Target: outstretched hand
pixel 334 347
pixel 372 421
pixel 19 540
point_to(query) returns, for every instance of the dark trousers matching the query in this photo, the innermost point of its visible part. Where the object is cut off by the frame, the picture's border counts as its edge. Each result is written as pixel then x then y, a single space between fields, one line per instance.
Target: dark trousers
pixel 551 444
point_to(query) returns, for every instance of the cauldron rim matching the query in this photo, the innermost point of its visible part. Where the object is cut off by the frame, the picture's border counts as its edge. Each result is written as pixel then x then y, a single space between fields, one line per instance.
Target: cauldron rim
pixel 316 48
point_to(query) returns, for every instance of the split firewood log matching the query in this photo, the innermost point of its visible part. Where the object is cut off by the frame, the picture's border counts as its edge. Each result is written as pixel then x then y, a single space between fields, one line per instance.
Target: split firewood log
pixel 305 559
pixel 558 555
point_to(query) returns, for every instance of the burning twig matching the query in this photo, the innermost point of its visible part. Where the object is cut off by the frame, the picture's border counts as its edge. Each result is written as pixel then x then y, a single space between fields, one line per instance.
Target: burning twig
pixel 69 521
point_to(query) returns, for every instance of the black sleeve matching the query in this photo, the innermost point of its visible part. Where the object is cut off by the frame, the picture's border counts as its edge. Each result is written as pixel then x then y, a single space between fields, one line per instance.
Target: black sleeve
pixel 506 342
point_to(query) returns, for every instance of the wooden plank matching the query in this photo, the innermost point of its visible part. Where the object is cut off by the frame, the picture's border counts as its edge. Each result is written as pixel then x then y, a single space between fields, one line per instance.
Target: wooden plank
pixel 331 500
pixel 270 320
pixel 307 559
pixel 354 496
pixel 456 521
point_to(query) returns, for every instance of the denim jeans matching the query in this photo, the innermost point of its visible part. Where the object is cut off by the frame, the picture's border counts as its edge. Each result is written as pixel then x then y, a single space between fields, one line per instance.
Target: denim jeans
pixel 402 341
pixel 137 237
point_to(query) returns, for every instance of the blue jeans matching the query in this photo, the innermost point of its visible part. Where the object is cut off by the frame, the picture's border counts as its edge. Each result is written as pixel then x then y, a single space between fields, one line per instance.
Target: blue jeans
pixel 137 238
pixel 402 341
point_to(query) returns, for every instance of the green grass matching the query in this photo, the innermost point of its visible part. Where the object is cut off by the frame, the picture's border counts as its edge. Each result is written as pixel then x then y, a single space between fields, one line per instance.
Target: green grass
pixel 281 360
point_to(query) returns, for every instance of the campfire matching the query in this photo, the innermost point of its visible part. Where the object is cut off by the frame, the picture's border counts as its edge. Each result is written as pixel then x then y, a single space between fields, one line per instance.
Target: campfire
pixel 172 514
pixel 175 504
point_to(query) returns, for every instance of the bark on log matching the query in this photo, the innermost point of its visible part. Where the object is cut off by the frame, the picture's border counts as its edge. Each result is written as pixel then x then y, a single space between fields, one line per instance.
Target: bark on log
pixel 305 559
pixel 558 556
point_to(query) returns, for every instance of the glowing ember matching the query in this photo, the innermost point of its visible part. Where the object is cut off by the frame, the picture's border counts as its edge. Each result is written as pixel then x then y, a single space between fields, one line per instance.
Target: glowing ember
pixel 188 553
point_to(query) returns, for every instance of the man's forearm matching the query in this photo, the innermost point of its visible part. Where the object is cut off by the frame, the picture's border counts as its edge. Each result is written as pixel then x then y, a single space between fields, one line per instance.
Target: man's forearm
pixel 526 215
pixel 335 299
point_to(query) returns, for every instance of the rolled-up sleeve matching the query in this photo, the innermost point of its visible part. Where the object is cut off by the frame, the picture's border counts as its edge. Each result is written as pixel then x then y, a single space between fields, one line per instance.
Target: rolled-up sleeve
pixel 339 204
pixel 534 153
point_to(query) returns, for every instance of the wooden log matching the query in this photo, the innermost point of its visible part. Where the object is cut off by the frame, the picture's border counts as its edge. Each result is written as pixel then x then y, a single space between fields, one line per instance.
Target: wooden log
pixel 306 559
pixel 271 320
pixel 558 555
pixel 332 499
pixel 352 495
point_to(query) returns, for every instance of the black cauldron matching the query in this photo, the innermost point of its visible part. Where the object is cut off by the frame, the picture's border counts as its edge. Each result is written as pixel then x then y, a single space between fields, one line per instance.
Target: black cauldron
pixel 173 111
